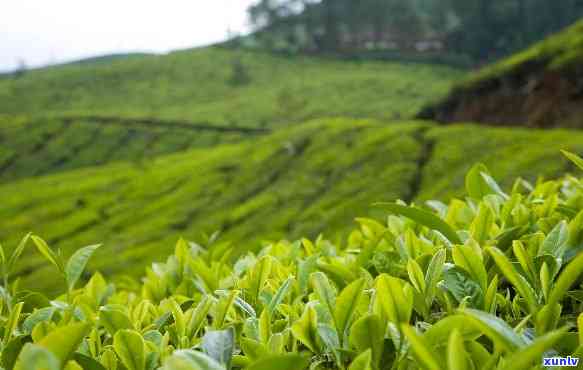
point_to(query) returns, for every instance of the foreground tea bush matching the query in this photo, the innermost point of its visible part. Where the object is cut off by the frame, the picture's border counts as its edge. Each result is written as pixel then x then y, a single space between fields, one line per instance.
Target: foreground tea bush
pixel 492 282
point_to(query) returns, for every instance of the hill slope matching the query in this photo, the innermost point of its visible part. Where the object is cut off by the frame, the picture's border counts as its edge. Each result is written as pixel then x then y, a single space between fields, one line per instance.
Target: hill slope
pixel 224 87
pixel 293 182
pixel 540 87
pixel 43 145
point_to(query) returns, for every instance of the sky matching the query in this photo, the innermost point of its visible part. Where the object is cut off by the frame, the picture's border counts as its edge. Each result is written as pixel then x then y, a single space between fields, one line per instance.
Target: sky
pixel 41 32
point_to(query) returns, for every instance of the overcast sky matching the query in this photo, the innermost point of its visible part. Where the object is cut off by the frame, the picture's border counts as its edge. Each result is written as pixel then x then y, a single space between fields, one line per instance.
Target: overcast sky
pixel 48 31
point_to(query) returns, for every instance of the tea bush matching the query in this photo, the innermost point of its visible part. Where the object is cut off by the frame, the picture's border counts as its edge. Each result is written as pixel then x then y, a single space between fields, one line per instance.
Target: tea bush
pixel 489 282
pixel 290 184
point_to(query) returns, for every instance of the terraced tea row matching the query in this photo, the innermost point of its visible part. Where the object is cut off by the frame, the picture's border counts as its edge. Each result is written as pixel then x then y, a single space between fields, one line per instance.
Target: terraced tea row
pixel 38 146
pixel 294 182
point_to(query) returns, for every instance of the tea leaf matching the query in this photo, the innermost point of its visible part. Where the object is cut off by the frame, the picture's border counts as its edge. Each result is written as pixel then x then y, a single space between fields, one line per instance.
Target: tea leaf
pixel 362 361
pixel 567 278
pixel 465 257
pixel 130 347
pixel 280 362
pixel 531 355
pixel 190 360
pixel 368 333
pixel 219 346
pixel 421 349
pixel 578 161
pixel 518 281
pixel 35 357
pixel 424 218
pixel 496 329
pixel 48 253
pixel 346 305
pixel 456 353
pixel 77 263
pixel 64 341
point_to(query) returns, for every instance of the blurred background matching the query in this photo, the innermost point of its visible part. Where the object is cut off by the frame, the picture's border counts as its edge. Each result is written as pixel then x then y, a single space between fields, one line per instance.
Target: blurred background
pixel 243 122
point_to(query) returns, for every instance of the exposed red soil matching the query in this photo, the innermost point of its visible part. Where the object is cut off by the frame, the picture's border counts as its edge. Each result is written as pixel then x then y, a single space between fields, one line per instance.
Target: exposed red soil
pixel 531 97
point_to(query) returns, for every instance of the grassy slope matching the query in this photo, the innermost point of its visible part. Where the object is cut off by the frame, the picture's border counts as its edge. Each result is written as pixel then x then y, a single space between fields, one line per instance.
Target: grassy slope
pixel 32 147
pixel 300 181
pixel 558 52
pixel 195 85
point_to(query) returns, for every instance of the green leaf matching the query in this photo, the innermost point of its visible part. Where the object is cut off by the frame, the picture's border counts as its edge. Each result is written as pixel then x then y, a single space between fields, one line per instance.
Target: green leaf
pixel 305 329
pixel 259 276
pixel 330 339
pixel 434 272
pixel 482 224
pixel 421 349
pixel 397 305
pixel 43 314
pixel 252 348
pixel 178 315
pixel 48 253
pixel 324 290
pixel 438 334
pixel 197 317
pixel 12 322
pixel 520 284
pixel 496 329
pixel 578 161
pixel 219 346
pixel 190 360
pixel 16 253
pixel 280 294
pixel 555 243
pixel 288 361
pixel 3 258
pixel 465 257
pixel 264 326
pixel 130 348
pixel 11 351
pixel 524 258
pixel 531 355
pixel 362 361
pixel 77 263
pixel 65 340
pixel 368 333
pixel 456 353
pixel 424 218
pixel 346 305
pixel 113 319
pixel 462 286
pixel 567 278
pixel 87 363
pixel 476 185
pixel 416 275
pixel 222 308
pixel 35 357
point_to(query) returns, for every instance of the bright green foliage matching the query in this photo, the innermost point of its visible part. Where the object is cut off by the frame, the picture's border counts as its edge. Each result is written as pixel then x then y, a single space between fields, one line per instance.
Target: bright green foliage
pixel 290 183
pixel 196 85
pixel 399 293
pixel 44 145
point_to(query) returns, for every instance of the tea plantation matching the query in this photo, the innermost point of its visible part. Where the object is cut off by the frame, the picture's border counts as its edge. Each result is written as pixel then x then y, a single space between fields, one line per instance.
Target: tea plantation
pixel 42 145
pixel 309 179
pixel 262 163
pixel 202 85
pixel 492 282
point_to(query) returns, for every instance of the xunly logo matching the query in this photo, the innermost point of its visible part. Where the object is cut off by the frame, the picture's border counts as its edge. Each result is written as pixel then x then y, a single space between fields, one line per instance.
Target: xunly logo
pixel 561 361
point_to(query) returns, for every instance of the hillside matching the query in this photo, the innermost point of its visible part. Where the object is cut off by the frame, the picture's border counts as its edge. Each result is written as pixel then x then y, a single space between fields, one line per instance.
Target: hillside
pixel 294 182
pixel 539 87
pixel 227 87
pixel 42 145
